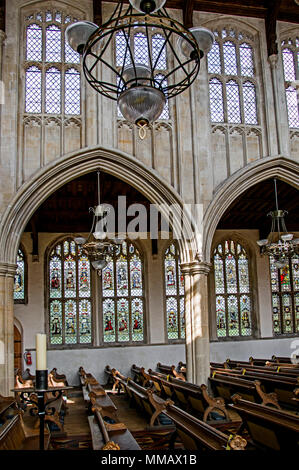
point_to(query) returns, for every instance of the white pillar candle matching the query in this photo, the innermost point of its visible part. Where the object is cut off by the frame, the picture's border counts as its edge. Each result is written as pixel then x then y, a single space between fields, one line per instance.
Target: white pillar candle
pixel 41 351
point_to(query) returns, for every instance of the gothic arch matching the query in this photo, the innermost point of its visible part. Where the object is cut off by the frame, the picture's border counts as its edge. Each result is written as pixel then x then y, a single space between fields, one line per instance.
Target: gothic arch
pixel 269 167
pixel 54 175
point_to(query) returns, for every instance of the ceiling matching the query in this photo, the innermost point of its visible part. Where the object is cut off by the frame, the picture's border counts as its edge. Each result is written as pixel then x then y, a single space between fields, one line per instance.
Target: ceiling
pixel 67 210
pixel 287 9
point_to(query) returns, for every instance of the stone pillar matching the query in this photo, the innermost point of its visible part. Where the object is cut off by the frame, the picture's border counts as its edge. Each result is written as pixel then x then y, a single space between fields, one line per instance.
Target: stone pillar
pixel 7 272
pixel 197 321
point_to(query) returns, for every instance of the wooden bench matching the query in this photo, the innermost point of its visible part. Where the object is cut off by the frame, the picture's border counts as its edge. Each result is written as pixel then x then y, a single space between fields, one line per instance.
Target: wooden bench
pixel 94 393
pixel 14 435
pixel 269 428
pixel 170 370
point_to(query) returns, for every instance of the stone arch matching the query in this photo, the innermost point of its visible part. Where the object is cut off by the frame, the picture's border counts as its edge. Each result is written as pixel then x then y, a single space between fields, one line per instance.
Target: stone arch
pixel 54 175
pixel 269 167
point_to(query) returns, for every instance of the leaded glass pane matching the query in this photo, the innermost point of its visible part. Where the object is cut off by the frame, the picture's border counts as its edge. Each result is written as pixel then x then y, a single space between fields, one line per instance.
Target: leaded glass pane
pixel 219 274
pixel 137 320
pixel 58 17
pixel 109 321
pixel 220 316
pixel 71 56
pixel 122 49
pixel 287 313
pixel 216 100
pixel 276 313
pixel 55 277
pixel 246 60
pixel 182 317
pixel 108 280
pixel 243 273
pixel 230 58
pixel 295 273
pixel 84 277
pixel 48 16
pixel 292 105
pixel 69 277
pixel 136 276
pixel 249 101
pixel 288 65
pixel 245 311
pixel 233 315
pixel 34 42
pixel 231 274
pixel 56 322
pixel 53 91
pixel 285 283
pixel 84 321
pixel 19 278
pixel 165 113
pixel 274 276
pixel 53 44
pixel 141 49
pixel 214 62
pixel 233 102
pixel 122 276
pixel 296 300
pixel 70 318
pixel 172 318
pixel 170 276
pixel 72 90
pixel 181 282
pixel 159 57
pixel 33 90
pixel 123 320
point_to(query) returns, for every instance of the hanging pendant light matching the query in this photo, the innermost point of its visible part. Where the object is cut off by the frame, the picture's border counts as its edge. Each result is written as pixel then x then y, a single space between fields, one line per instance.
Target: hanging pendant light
pixel 96 247
pixel 279 245
pixel 137 87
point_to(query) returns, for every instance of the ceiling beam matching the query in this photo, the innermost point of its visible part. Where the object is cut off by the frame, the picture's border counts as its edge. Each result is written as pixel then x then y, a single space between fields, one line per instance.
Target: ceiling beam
pixel 97 12
pixel 2 15
pixel 270 25
pixel 188 13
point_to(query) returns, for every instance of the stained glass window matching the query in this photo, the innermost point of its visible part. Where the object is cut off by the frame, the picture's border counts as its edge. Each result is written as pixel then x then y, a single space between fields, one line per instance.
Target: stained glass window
pixel 174 289
pixel 285 297
pixel 232 290
pixel 290 59
pixel 140 51
pixel 230 65
pixel 20 279
pixel 70 307
pixel 52 65
pixel 122 294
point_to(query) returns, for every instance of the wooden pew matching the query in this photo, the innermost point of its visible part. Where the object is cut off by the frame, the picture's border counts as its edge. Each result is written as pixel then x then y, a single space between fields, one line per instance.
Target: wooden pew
pixel 14 435
pixel 170 370
pixel 269 428
pixel 94 394
pixel 188 396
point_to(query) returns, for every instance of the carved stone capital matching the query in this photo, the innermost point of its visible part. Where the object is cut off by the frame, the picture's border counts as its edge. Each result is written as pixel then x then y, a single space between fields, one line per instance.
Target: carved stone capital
pixel 196 267
pixel 273 59
pixel 7 269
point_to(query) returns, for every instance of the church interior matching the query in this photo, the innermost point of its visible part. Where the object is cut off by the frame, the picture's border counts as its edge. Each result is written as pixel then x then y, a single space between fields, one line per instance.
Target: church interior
pixel 149 225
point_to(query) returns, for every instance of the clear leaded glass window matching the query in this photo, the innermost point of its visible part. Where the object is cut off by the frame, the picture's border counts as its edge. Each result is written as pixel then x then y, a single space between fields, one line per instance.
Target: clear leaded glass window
pixel 122 294
pixel 285 297
pixel 174 294
pixel 232 83
pixel 158 57
pixel 69 288
pixel 20 279
pixel 50 65
pixel 232 290
pixel 290 59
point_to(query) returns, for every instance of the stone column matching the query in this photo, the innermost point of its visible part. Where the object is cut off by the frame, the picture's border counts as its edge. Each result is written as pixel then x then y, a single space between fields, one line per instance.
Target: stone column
pixel 7 272
pixel 197 321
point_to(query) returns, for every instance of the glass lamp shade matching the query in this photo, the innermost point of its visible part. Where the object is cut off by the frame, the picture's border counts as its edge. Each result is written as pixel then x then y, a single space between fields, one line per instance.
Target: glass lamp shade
pixel 141 104
pixel 262 242
pixel 79 240
pixel 77 34
pixel 147 6
pixel 287 237
pixel 296 241
pixel 99 264
pixel 204 38
pixel 137 74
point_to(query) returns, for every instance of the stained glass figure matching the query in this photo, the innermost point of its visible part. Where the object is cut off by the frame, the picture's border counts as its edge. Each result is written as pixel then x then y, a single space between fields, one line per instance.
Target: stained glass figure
pixel 232 290
pixel 174 292
pixel 123 296
pixel 70 286
pixel 19 278
pixel 284 287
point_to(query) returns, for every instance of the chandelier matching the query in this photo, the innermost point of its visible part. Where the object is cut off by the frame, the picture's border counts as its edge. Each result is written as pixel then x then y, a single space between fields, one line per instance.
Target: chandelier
pixel 280 245
pixel 95 247
pixel 139 86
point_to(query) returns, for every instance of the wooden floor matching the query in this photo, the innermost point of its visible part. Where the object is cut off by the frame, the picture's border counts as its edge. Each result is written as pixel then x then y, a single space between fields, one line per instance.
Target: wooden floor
pixel 76 422
pixel 133 419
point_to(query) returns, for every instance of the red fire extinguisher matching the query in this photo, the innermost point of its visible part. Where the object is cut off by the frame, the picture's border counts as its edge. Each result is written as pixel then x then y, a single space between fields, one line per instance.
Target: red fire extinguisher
pixel 28 358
